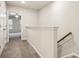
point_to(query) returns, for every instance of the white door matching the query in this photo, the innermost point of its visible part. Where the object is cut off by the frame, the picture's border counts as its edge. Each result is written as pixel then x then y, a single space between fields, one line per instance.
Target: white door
pixel 3 26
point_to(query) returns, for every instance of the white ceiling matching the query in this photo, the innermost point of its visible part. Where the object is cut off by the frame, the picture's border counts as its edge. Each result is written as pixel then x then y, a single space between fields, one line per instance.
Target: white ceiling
pixel 29 4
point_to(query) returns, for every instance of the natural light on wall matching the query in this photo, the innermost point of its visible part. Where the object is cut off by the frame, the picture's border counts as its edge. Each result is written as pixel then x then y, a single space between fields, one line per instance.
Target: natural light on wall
pixel 58 5
pixel 58 10
pixel 23 2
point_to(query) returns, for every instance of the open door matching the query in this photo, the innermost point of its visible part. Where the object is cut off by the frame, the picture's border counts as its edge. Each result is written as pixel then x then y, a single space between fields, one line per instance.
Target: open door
pixel 14 26
pixel 3 25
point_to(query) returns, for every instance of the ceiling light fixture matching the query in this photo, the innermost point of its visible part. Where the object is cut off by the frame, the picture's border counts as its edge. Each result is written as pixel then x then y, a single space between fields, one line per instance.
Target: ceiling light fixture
pixel 23 2
pixel 16 15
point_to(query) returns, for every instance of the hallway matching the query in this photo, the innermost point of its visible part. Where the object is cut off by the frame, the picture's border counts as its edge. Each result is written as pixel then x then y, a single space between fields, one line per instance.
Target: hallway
pixel 17 48
pixel 46 29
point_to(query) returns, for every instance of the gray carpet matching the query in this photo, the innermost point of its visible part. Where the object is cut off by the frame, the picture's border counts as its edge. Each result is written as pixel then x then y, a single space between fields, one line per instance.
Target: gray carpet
pixel 17 48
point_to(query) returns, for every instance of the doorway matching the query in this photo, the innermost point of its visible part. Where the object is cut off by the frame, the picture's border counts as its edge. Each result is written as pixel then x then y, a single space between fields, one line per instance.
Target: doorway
pixel 14 26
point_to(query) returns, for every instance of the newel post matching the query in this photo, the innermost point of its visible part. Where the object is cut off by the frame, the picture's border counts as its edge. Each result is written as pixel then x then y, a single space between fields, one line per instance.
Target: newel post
pixel 55 29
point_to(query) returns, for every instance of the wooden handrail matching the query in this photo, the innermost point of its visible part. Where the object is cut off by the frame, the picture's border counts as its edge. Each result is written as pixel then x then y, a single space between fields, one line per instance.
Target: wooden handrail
pixel 64 37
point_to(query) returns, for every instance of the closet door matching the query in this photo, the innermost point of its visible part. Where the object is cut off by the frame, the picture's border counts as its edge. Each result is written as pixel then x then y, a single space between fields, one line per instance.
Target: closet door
pixel 3 26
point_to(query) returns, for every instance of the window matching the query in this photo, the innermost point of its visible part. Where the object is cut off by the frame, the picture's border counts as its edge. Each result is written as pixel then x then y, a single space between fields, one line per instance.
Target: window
pixel 10 24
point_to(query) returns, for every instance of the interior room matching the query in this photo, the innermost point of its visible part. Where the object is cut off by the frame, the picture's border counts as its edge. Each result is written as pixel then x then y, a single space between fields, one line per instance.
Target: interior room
pixel 39 29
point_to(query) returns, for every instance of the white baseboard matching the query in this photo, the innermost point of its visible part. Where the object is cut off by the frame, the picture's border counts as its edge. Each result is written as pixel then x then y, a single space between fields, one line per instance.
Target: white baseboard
pixel 35 49
pixel 1 49
pixel 71 55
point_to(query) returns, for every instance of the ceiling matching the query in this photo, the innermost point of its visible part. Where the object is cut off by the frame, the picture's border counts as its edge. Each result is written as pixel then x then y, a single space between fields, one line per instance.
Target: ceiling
pixel 29 4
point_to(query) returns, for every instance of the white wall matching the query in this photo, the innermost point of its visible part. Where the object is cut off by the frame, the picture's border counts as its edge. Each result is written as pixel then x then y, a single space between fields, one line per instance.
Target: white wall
pixel 28 18
pixel 63 14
